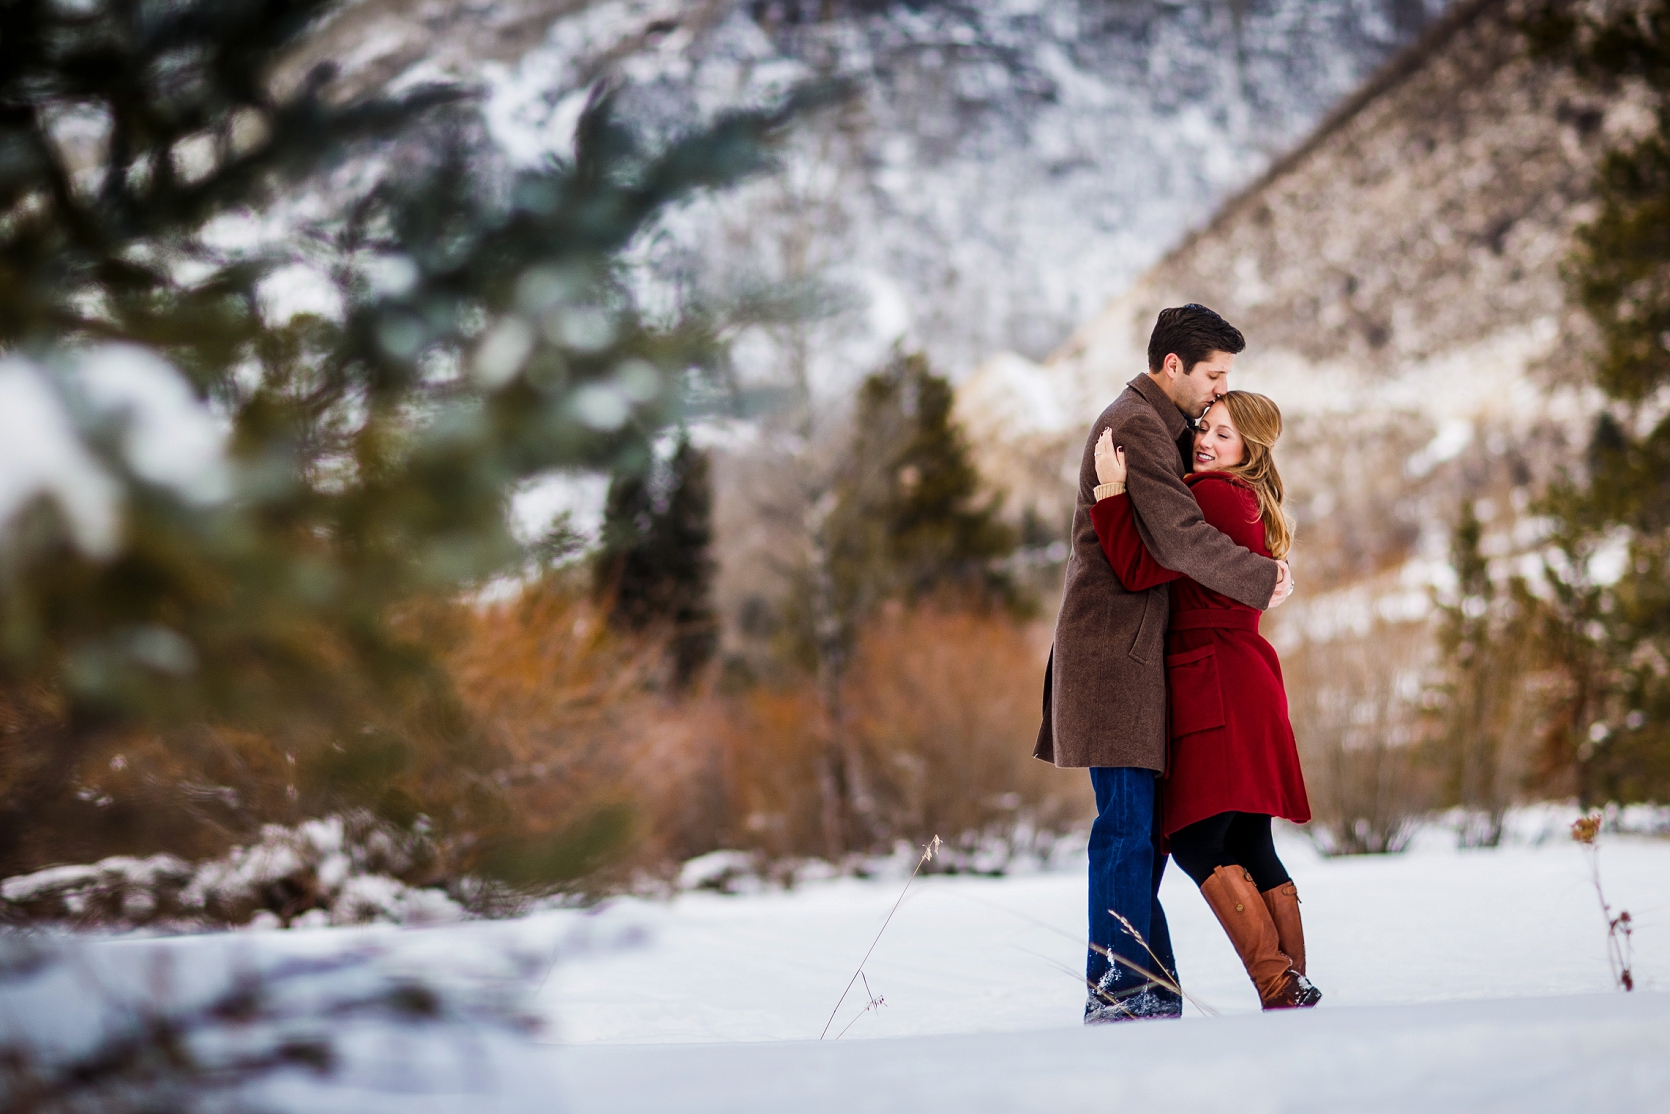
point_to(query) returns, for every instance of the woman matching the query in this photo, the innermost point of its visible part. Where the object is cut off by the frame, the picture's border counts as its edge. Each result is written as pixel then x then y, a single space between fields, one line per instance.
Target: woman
pixel 1232 762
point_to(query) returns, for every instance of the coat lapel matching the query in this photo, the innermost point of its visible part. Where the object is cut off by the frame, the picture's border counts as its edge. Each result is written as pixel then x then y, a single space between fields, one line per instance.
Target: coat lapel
pixel 1177 427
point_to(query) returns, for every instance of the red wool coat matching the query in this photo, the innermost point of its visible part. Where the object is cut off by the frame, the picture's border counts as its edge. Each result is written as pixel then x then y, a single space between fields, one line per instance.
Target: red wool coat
pixel 1231 745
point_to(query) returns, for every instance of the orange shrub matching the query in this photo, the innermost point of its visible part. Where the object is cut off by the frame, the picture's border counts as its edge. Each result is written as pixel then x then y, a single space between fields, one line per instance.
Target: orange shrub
pixel 566 709
pixel 937 718
pixel 945 707
pixel 549 729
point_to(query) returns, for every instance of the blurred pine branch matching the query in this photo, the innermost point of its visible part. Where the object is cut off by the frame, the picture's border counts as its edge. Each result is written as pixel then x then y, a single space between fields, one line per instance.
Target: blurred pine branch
pixel 163 209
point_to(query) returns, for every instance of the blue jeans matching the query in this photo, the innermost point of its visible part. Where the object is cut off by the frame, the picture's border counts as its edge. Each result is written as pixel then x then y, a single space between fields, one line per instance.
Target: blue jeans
pixel 1125 868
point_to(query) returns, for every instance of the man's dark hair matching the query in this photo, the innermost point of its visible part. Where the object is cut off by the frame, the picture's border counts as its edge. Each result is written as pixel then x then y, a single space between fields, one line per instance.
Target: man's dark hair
pixel 1193 332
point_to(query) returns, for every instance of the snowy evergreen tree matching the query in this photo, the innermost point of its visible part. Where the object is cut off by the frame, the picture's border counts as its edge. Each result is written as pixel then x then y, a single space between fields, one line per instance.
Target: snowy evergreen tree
pixel 1609 621
pixel 943 530
pixel 920 522
pixel 1488 636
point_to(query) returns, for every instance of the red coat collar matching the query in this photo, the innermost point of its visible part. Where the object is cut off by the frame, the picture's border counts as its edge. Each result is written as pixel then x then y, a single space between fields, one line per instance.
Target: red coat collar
pixel 1216 474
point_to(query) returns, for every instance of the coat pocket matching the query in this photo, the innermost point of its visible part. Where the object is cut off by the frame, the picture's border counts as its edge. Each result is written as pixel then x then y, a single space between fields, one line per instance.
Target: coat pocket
pixel 1145 630
pixel 1195 697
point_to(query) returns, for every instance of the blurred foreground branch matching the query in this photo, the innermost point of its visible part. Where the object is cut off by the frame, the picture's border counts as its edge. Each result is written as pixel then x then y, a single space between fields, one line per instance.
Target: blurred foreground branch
pixel 273 365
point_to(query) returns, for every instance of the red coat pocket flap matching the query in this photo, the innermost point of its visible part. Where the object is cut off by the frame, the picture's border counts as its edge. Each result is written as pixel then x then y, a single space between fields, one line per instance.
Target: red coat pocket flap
pixel 1196 697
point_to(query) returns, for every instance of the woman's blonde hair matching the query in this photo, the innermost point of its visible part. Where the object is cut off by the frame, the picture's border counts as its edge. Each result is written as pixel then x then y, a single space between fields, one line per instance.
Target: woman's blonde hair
pixel 1258 420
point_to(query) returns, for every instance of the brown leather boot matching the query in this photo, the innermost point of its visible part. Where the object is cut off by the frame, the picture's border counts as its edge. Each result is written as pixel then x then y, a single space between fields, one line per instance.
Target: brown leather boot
pixel 1239 908
pixel 1283 903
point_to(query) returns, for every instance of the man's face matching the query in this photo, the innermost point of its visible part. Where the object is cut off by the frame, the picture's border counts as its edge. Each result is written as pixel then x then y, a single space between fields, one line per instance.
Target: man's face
pixel 1203 385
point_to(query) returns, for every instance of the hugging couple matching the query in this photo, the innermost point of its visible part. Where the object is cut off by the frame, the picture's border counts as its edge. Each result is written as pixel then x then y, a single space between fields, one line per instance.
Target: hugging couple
pixel 1160 683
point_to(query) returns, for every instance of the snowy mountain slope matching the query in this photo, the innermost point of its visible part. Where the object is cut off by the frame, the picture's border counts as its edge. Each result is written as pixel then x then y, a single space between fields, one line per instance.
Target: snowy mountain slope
pixel 1006 167
pixel 1430 219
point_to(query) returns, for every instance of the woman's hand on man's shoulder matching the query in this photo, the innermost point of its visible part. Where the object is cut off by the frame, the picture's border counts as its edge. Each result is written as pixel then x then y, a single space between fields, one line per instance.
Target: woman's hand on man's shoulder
pixel 1110 460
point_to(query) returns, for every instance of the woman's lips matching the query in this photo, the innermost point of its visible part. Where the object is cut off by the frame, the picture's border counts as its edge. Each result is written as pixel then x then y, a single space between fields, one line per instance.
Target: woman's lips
pixel 1203 458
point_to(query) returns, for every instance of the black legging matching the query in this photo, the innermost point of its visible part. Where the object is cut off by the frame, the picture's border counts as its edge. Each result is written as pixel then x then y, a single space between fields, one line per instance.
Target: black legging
pixel 1229 839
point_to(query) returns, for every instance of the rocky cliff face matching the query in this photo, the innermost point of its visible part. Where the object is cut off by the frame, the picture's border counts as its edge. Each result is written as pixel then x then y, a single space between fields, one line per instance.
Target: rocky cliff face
pixel 1398 280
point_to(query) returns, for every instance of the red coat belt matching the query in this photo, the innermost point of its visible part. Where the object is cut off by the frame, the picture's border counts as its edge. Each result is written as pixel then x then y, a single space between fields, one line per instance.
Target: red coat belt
pixel 1202 618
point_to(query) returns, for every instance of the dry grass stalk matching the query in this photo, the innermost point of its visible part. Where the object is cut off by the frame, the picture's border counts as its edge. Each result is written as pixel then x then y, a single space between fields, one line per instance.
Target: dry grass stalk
pixel 927 854
pixel 1620 948
pixel 875 1002
pixel 1166 978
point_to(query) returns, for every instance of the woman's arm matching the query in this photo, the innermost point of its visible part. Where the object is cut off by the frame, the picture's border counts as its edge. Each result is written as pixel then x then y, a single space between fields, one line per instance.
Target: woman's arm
pixel 1116 526
pixel 1116 529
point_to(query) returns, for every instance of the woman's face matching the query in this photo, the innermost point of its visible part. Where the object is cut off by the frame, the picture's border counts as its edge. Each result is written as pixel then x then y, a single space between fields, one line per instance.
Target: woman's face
pixel 1219 445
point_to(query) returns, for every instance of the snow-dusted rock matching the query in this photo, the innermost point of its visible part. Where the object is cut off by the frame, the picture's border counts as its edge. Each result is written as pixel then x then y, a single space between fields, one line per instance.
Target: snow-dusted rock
pixel 333 870
pixel 724 871
pixel 120 888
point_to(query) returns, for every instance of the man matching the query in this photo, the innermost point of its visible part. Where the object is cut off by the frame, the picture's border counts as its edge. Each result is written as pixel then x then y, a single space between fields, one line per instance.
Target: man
pixel 1104 687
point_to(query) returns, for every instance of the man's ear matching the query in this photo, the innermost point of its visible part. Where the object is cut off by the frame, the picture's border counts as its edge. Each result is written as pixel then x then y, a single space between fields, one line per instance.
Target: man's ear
pixel 1173 366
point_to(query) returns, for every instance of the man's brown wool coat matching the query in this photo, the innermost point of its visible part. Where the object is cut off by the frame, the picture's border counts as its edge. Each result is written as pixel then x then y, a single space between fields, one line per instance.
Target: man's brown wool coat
pixel 1105 685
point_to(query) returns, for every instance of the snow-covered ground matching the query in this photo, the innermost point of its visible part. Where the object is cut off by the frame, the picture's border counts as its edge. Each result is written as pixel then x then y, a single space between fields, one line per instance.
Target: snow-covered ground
pixel 966 954
pixel 1454 980
pixel 1553 1055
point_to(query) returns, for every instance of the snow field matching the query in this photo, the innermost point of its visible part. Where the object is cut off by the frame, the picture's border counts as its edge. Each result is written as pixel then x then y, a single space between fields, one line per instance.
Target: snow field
pixel 968 955
pixel 1454 980
pixel 1594 1052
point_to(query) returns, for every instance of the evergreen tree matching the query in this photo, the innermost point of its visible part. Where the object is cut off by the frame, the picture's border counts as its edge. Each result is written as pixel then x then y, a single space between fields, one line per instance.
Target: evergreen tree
pixel 940 532
pixel 1488 638
pixel 902 519
pixel 156 188
pixel 905 518
pixel 911 520
pixel 655 563
pixel 1608 624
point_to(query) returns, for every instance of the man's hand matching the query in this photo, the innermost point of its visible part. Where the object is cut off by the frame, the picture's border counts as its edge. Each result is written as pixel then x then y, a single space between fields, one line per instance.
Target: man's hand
pixel 1284 586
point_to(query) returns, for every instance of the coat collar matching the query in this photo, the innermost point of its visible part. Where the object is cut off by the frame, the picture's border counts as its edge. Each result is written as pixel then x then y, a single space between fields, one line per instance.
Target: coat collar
pixel 1217 474
pixel 1175 423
